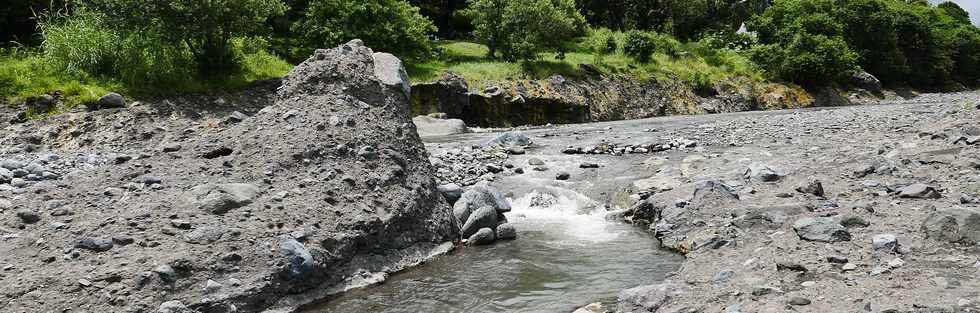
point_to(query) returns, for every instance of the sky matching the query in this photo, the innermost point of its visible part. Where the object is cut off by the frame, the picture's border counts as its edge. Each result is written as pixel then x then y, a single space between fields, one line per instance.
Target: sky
pixel 972 6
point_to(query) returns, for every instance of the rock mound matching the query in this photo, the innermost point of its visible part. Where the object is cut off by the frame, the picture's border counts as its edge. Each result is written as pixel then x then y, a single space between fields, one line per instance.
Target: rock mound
pixel 328 184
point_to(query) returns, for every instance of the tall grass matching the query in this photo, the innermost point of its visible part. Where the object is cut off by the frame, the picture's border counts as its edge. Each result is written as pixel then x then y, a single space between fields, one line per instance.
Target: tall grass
pixel 84 58
pixel 78 45
pixel 84 44
pixel 25 74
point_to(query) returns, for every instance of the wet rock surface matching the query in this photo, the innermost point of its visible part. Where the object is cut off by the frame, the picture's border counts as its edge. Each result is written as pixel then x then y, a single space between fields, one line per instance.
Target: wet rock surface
pixel 258 201
pixel 853 209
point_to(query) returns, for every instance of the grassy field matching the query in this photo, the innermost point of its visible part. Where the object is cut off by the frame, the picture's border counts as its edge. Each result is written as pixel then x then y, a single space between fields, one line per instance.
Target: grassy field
pixel 697 66
pixel 26 74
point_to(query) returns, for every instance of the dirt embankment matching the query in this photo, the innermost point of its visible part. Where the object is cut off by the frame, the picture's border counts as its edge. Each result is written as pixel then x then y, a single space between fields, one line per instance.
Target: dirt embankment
pixel 593 97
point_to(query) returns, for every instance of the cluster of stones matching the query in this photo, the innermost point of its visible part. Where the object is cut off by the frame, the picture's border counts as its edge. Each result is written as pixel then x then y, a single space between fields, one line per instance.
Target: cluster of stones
pixel 19 173
pixel 613 149
pixel 479 213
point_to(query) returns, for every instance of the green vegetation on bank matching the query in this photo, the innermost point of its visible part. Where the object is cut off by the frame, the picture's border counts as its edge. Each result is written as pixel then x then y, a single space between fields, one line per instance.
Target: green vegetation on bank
pixel 85 48
pixel 697 63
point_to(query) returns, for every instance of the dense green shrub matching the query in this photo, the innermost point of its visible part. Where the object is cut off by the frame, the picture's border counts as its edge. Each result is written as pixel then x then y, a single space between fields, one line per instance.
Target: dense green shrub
pixel 601 42
pixel 8 82
pixel 521 29
pixel 807 59
pixel 638 44
pixel 81 43
pixel 386 25
pixel 641 44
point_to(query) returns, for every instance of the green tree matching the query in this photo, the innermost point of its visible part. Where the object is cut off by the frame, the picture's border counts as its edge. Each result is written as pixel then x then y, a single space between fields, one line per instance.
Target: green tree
pixel 642 44
pixel 386 25
pixel 966 43
pixel 954 11
pixel 522 29
pixel 899 41
pixel 487 17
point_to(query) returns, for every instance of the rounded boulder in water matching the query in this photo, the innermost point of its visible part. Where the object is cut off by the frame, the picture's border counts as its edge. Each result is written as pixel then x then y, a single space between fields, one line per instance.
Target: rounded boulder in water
pixel 476 197
pixel 482 237
pixel 484 217
pixel 506 231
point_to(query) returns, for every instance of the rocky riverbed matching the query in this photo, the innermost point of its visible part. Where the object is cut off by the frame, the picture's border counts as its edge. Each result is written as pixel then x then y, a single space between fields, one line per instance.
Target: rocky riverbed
pixel 283 194
pixel 852 209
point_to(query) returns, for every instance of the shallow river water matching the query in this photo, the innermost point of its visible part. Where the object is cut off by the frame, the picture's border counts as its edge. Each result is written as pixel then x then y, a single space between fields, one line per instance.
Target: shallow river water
pixel 567 255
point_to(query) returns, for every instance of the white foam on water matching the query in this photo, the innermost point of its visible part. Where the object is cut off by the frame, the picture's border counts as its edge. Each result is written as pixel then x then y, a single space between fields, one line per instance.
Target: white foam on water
pixel 570 216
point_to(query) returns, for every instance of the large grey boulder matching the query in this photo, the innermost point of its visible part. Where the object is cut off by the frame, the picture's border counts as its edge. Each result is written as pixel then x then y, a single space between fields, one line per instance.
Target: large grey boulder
pixel 11 164
pixel 919 191
pixel 94 244
pixel 451 191
pixel 762 172
pixel 429 126
pixel 866 81
pixel 476 197
pixel 506 231
pixel 648 298
pixel 299 260
pixel 481 237
pixel 957 225
pixel 484 217
pixel 511 139
pixel 884 242
pixel 6 176
pixel 112 101
pixel 221 198
pixel 822 229
pixel 713 193
pixel 481 206
pixel 174 306
pixel 390 71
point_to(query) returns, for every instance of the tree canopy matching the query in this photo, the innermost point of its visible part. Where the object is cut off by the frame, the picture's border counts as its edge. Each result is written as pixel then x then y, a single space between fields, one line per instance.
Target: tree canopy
pixel 520 29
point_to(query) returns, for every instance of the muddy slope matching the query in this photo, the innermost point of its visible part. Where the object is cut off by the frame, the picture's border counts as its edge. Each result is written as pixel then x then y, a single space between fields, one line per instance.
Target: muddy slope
pixel 158 207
